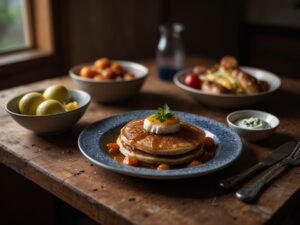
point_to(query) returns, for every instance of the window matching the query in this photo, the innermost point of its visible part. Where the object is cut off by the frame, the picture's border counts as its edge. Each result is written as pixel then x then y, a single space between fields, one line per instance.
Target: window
pixel 27 26
pixel 31 41
pixel 14 25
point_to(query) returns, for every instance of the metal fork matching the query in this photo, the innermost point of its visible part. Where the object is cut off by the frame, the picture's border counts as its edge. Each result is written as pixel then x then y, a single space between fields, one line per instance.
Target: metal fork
pixel 250 192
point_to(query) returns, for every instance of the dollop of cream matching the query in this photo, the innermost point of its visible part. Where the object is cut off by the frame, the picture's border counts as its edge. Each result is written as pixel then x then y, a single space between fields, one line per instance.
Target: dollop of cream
pixel 252 123
pixel 153 125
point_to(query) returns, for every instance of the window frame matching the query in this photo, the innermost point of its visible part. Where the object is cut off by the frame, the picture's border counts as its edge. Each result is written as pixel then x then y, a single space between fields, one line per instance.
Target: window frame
pixel 45 58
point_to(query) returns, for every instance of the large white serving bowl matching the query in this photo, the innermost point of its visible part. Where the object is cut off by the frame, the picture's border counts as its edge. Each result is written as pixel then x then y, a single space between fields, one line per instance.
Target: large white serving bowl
pixel 231 100
pixel 50 124
pixel 111 90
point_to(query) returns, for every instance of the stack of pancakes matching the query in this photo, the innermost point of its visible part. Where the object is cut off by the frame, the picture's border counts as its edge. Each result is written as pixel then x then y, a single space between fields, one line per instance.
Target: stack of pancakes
pixel 173 149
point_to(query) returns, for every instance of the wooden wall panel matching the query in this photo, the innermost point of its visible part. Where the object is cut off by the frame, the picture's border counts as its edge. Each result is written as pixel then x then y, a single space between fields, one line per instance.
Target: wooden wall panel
pixel 128 29
pixel 117 29
pixel 211 27
pixel 272 48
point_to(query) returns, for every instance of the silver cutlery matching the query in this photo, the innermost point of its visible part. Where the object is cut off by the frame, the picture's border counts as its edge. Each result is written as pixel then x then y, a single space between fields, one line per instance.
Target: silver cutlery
pixel 250 192
pixel 277 155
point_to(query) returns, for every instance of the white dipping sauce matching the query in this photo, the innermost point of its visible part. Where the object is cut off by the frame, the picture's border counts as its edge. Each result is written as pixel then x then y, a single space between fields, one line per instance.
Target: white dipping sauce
pixel 252 123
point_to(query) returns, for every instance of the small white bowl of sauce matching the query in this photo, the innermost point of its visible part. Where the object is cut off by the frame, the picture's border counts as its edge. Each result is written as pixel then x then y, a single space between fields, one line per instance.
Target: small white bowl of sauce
pixel 253 125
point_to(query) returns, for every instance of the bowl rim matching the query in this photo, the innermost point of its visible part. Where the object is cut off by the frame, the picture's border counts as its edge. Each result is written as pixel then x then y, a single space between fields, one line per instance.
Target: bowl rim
pixel 73 75
pixel 47 116
pixel 196 91
pixel 251 111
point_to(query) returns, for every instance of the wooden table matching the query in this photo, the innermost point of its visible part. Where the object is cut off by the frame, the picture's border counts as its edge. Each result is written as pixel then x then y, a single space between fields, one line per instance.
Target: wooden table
pixel 55 164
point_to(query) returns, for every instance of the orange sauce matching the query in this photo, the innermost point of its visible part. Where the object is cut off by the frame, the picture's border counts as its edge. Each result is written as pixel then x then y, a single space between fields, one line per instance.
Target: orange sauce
pixel 118 157
pixel 169 121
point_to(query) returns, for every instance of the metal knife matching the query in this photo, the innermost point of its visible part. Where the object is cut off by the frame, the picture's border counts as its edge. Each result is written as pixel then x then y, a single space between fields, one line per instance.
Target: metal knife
pixel 277 154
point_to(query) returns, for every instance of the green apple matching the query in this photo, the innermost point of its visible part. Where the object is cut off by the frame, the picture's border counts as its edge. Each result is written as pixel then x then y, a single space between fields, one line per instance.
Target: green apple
pixel 57 92
pixel 50 107
pixel 29 103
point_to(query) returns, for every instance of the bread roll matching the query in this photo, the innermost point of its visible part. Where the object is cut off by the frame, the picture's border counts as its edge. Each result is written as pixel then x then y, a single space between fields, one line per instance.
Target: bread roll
pixel 247 82
pixel 229 62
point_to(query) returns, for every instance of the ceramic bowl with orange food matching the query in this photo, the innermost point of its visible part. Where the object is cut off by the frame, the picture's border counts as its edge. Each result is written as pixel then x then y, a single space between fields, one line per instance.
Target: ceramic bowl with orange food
pixel 109 80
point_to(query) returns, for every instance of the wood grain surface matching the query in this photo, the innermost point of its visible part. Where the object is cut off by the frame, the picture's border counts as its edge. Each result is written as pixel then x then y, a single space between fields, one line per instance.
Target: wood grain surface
pixel 55 164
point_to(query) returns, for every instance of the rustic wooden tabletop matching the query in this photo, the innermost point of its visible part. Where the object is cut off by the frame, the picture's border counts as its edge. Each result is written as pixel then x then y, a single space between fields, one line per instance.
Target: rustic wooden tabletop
pixel 55 164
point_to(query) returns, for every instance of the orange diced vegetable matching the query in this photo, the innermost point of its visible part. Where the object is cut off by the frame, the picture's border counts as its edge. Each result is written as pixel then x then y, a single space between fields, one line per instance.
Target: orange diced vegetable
pixel 99 77
pixel 117 68
pixel 130 161
pixel 108 74
pixel 87 72
pixel 194 163
pixel 128 76
pixel 113 148
pixel 163 166
pixel 102 63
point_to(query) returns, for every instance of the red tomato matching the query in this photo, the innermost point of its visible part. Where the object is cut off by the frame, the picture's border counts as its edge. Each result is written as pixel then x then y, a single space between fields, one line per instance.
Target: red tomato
pixel 192 80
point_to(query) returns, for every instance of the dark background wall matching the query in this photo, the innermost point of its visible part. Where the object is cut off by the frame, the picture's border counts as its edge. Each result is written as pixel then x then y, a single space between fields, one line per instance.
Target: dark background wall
pixel 260 33
pixel 212 27
pixel 117 29
pixel 129 29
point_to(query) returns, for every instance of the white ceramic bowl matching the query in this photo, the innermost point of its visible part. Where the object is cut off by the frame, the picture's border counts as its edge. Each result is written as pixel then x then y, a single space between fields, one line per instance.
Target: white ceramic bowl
pixel 231 100
pixel 50 124
pixel 253 134
pixel 111 90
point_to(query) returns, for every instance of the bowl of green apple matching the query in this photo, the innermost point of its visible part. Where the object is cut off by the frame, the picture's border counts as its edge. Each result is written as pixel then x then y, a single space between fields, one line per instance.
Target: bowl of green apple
pixel 53 110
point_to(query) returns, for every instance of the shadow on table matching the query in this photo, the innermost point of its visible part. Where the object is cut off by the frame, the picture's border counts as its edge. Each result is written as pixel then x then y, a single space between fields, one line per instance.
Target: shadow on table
pixel 288 214
pixel 282 104
pixel 197 188
pixel 276 140
pixel 149 100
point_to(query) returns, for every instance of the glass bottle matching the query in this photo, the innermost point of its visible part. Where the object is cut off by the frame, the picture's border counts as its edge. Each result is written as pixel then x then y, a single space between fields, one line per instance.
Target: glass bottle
pixel 170 53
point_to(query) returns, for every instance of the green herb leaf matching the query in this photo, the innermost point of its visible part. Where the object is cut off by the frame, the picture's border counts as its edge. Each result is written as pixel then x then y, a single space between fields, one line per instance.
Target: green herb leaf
pixel 163 113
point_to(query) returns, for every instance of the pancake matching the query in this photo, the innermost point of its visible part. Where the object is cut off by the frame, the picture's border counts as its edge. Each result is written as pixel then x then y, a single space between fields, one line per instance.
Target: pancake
pixel 186 139
pixel 158 159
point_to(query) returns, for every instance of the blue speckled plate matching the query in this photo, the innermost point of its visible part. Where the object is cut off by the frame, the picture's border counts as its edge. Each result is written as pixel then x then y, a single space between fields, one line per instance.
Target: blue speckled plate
pixel 93 139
